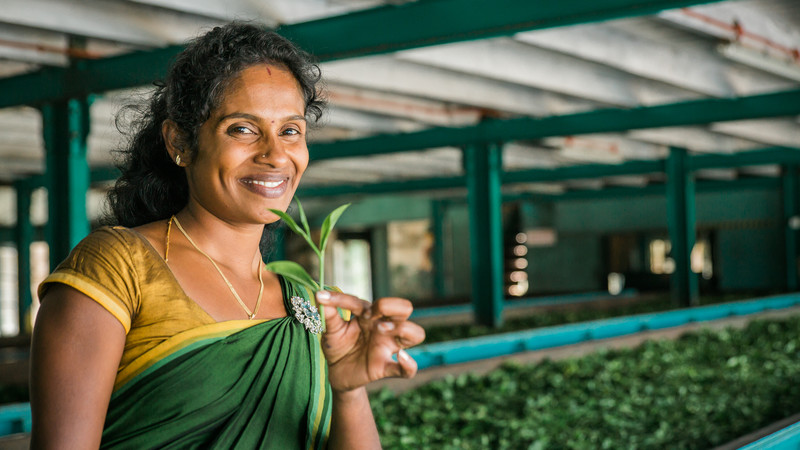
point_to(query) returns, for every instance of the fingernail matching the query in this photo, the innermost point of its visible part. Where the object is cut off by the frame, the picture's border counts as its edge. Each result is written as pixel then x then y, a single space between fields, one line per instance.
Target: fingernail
pixel 323 296
pixel 386 326
pixel 402 355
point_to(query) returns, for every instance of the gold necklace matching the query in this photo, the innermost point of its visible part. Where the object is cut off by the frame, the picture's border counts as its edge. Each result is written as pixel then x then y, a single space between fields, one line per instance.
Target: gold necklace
pixel 250 315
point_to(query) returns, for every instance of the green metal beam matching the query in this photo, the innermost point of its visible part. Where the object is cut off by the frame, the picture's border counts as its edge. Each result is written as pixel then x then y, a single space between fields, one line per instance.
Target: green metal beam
pixel 425 22
pixel 791 213
pixel 24 238
pixel 104 174
pixel 702 186
pixel 483 166
pixel 372 31
pixel 426 184
pixel 583 171
pixel 681 225
pixel 66 127
pixel 694 112
pixel 771 155
pixel 8 235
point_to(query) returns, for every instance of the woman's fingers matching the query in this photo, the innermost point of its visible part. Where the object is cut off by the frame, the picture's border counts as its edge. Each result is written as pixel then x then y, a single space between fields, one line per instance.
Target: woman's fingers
pixel 411 334
pixel 334 300
pixel 403 334
pixel 408 367
pixel 405 366
pixel 393 308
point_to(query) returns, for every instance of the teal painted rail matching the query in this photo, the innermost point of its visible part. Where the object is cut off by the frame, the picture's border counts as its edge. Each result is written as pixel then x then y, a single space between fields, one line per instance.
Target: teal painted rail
pixel 437 311
pixel 15 418
pixel 484 347
pixel 785 439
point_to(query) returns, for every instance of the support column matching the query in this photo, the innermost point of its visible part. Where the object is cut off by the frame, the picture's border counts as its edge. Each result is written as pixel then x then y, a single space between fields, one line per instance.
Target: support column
pixel 791 222
pixel 438 208
pixel 379 254
pixel 681 221
pixel 483 168
pixel 66 127
pixel 24 238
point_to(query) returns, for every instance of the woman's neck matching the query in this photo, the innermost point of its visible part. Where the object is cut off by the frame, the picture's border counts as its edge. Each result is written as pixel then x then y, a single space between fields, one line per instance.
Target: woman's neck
pixel 235 246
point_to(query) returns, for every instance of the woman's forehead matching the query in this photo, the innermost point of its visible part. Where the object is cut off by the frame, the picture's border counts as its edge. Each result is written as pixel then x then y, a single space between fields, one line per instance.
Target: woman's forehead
pixel 261 86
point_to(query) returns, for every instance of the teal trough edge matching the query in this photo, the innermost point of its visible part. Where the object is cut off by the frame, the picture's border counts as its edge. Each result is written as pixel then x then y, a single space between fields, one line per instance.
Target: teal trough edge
pixel 15 418
pixel 784 439
pixel 485 347
pixel 553 300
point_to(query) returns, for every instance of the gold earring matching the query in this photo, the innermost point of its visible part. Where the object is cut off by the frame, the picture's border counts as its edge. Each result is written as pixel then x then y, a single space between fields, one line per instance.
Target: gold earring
pixel 178 160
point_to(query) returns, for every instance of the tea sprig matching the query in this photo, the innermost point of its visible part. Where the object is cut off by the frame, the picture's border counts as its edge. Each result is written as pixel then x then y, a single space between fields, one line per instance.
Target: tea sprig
pixel 295 272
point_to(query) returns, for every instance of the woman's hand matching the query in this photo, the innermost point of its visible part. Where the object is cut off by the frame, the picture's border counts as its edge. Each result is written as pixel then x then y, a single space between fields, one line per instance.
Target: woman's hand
pixel 360 350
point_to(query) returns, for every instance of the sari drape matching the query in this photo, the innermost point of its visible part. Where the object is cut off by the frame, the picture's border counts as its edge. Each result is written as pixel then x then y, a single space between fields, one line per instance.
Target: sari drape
pixel 227 385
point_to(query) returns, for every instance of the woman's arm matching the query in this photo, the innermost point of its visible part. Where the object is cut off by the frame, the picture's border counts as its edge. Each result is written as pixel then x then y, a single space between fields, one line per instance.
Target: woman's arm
pixel 352 423
pixel 75 353
pixel 359 351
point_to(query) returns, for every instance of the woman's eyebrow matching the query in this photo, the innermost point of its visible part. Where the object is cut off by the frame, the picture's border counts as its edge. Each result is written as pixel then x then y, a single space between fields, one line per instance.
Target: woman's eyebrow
pixel 296 117
pixel 241 115
pixel 238 115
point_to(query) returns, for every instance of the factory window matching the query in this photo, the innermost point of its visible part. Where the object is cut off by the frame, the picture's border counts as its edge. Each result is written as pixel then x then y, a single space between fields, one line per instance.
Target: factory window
pixel 662 263
pixel 351 264
pixel 410 263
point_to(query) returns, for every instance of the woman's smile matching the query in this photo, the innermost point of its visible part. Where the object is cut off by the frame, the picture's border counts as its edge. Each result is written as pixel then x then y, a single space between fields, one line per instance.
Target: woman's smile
pixel 267 187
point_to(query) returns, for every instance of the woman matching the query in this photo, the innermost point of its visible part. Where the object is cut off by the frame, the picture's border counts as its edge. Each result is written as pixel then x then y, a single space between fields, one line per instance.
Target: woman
pixel 166 331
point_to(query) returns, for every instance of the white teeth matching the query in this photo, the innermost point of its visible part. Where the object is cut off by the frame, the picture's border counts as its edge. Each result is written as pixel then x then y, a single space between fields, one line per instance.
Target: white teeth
pixel 269 184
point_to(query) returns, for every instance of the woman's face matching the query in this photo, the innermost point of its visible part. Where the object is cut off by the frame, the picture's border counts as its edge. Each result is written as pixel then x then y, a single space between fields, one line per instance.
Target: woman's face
pixel 252 150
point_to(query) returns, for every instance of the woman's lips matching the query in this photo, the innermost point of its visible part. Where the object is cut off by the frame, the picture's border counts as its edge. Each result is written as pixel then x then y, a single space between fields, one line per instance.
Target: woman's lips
pixel 266 188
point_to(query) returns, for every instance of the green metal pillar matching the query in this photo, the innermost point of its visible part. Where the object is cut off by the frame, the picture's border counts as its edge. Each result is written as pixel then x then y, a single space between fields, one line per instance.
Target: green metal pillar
pixel 791 222
pixel 66 127
pixel 440 275
pixel 379 254
pixel 24 238
pixel 483 168
pixel 681 222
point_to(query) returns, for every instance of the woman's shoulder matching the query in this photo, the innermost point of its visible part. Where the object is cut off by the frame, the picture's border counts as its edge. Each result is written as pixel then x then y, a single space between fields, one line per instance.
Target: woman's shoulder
pixel 117 239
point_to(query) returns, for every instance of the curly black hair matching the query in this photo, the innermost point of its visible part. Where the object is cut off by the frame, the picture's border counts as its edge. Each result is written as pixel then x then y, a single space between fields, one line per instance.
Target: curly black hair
pixel 152 187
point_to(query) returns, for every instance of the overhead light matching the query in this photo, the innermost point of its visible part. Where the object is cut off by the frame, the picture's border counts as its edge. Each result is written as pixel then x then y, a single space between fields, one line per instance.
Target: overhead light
pixel 756 59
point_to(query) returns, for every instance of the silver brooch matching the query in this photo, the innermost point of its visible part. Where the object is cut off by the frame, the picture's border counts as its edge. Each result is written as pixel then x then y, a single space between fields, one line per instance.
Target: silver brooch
pixel 307 314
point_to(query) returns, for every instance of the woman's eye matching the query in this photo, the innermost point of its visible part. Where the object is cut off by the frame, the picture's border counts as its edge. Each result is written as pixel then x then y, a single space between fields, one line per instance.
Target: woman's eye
pixel 241 130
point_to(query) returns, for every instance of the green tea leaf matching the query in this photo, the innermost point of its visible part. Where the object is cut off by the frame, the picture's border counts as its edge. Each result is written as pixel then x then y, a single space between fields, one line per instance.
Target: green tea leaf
pixel 289 221
pixel 294 227
pixel 328 225
pixel 303 218
pixel 294 272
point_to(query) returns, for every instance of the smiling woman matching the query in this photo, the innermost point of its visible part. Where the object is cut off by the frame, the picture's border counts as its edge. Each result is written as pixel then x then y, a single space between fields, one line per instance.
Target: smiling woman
pixel 165 329
pixel 254 147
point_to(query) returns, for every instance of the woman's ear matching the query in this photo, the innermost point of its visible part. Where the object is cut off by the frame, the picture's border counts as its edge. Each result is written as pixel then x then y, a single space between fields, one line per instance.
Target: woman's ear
pixel 176 143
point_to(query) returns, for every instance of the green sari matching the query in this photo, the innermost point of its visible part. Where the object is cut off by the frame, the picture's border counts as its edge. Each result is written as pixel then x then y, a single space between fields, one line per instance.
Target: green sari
pixel 237 384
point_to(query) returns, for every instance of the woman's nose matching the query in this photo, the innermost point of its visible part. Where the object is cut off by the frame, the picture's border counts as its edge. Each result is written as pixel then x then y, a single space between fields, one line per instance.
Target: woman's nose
pixel 274 153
